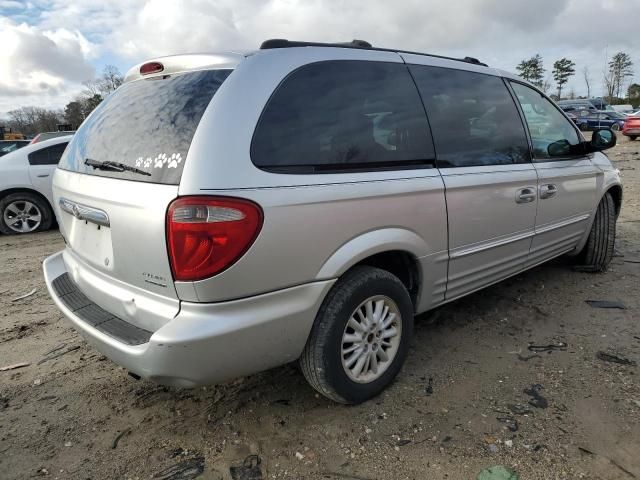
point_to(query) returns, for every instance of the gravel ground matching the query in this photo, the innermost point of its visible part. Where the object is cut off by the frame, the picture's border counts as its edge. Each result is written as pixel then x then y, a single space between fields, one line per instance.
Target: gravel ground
pixel 459 405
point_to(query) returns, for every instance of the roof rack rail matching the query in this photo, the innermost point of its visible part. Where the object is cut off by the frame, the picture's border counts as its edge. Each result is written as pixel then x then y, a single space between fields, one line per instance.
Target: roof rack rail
pixel 283 43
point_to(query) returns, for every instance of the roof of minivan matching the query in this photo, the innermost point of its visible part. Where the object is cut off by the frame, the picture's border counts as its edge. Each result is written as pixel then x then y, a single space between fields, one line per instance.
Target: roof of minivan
pixel 190 62
pixel 230 60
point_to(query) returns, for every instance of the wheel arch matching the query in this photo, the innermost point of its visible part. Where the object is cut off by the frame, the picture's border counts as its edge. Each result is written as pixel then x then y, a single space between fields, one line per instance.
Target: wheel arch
pixel 403 265
pixel 395 250
pixel 616 193
pixel 615 190
pixel 10 191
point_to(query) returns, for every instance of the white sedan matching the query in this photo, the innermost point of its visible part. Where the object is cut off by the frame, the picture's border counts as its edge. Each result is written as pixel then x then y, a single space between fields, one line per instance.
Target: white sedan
pixel 25 186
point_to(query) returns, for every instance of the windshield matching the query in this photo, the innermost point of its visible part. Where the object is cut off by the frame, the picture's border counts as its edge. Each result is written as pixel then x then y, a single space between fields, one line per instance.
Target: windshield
pixel 146 124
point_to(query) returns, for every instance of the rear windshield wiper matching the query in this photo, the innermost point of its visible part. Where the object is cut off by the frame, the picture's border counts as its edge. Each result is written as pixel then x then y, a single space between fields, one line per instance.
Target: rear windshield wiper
pixel 113 166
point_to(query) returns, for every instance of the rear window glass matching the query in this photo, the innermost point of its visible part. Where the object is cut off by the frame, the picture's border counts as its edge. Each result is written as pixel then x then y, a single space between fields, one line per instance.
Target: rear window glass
pixel 146 124
pixel 344 115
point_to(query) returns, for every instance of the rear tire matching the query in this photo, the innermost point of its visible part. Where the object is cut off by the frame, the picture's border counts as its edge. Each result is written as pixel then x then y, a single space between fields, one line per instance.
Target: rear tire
pixel 326 359
pixel 584 127
pixel 632 137
pixel 24 212
pixel 598 251
pixel 615 127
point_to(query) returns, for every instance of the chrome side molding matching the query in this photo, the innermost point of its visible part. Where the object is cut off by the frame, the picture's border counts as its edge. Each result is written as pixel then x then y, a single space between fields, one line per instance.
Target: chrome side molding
pixel 84 212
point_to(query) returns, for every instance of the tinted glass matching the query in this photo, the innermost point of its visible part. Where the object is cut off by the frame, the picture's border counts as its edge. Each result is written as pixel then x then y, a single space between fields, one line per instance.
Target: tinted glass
pixel 56 151
pixel 39 157
pixel 598 103
pixel 8 146
pixel 147 124
pixel 47 156
pixel 473 118
pixel 340 115
pixel 546 124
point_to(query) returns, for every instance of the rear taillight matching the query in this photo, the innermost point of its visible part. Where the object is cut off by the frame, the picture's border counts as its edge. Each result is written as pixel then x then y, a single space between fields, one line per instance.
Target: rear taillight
pixel 206 235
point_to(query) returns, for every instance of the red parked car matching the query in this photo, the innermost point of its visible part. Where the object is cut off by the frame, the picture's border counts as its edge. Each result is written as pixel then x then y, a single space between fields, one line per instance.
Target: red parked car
pixel 631 127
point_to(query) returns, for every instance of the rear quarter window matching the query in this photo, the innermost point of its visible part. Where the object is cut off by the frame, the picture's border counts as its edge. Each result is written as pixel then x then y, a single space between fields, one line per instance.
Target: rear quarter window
pixel 48 155
pixel 342 116
pixel 147 124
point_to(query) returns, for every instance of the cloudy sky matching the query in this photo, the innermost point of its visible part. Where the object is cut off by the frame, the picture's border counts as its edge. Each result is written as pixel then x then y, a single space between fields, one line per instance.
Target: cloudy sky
pixel 49 47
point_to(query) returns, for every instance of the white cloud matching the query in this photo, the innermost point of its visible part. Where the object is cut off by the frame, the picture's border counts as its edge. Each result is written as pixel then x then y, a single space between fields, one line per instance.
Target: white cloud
pixel 39 66
pixel 501 33
pixel 7 4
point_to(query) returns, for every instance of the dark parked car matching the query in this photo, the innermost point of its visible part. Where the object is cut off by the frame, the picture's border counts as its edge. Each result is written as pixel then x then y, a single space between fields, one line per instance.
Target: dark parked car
pixel 599 103
pixel 575 106
pixel 596 121
pixel 572 116
pixel 7 146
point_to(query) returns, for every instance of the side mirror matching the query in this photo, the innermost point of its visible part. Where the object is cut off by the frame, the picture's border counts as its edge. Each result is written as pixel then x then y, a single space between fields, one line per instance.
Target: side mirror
pixel 601 140
pixel 559 148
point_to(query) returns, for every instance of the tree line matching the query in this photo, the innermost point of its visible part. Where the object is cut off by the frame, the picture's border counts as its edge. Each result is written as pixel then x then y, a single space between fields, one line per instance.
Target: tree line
pixel 32 120
pixel 616 74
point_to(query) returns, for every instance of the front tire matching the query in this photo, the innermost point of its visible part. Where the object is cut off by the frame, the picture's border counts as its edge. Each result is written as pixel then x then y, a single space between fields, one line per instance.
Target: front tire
pixel 598 251
pixel 360 337
pixel 24 212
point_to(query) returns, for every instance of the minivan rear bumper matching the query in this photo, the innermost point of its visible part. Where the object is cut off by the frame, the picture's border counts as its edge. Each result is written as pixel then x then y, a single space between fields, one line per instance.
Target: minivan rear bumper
pixel 208 343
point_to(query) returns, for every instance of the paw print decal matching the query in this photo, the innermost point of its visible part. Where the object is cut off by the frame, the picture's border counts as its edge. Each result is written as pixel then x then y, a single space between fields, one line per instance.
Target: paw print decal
pixel 175 159
pixel 162 160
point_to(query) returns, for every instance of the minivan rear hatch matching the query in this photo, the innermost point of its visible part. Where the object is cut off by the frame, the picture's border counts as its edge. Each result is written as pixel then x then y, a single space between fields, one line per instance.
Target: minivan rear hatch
pixel 115 182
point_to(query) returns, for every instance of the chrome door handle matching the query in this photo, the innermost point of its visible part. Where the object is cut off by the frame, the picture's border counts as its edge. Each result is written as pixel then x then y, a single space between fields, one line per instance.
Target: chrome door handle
pixel 525 195
pixel 548 190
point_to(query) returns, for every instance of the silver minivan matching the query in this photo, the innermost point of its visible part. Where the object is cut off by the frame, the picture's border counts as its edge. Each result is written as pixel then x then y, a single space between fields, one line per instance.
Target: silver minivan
pixel 224 214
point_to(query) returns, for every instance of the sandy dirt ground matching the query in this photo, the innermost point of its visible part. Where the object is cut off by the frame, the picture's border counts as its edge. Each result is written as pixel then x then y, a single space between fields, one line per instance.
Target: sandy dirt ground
pixel 459 405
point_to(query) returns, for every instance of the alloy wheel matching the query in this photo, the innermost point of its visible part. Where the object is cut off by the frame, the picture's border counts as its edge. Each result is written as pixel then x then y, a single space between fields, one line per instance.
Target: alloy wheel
pixel 22 216
pixel 371 339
